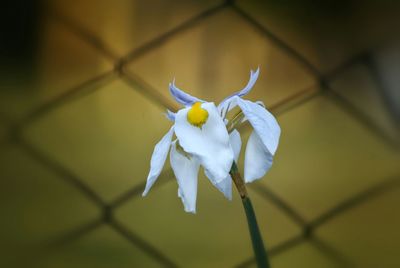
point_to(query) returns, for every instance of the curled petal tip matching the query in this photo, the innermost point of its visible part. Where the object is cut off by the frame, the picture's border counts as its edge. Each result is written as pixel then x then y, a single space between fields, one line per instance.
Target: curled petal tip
pixel 170 115
pixel 180 96
pixel 224 105
pixel 145 192
pixel 256 72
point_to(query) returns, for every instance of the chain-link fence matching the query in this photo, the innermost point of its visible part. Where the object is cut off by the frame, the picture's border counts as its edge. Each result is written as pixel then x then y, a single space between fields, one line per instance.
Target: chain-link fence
pixel 323 84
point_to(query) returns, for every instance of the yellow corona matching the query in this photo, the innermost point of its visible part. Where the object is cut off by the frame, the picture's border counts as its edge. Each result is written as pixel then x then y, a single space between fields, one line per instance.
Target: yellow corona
pixel 197 116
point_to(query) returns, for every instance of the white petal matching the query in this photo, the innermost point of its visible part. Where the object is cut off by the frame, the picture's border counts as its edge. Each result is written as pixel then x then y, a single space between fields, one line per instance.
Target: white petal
pixel 186 171
pixel 225 186
pixel 158 158
pixel 258 160
pixel 236 143
pixel 181 96
pixel 210 143
pixel 263 122
pixel 224 106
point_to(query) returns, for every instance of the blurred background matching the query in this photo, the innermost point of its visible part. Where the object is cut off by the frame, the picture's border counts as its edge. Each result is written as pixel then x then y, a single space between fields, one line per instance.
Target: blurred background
pixel 83 89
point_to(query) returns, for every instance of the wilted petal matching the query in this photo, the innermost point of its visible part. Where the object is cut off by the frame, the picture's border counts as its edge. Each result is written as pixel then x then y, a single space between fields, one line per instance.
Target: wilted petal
pixel 263 122
pixel 182 97
pixel 158 158
pixel 210 143
pixel 226 105
pixel 186 171
pixel 249 86
pixel 225 186
pixel 258 160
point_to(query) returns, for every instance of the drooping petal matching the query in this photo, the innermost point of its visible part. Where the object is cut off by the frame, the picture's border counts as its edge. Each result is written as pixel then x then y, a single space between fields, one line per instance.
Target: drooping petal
pixel 170 115
pixel 210 143
pixel 186 171
pixel 182 97
pixel 225 186
pixel 226 105
pixel 263 122
pixel 158 158
pixel 236 143
pixel 258 160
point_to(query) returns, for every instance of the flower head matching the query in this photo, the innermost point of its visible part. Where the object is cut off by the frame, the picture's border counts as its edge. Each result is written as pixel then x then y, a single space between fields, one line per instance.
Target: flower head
pixel 202 139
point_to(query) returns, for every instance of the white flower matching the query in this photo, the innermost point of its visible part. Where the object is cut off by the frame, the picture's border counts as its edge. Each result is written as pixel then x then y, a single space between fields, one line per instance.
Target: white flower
pixel 202 134
pixel 202 138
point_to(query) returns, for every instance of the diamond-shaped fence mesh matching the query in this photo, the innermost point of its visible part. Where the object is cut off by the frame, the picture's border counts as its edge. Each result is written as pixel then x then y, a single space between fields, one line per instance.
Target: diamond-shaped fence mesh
pixel 322 87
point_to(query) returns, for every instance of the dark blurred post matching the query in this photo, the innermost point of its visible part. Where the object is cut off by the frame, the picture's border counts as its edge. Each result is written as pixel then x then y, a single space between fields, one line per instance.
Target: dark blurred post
pixel 19 23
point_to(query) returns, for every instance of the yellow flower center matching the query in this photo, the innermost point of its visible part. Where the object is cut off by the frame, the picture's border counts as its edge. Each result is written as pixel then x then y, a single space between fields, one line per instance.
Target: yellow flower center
pixel 197 116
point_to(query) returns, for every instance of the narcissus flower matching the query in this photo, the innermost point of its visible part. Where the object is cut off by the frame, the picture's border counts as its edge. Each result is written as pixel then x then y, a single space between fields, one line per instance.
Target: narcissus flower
pixel 204 137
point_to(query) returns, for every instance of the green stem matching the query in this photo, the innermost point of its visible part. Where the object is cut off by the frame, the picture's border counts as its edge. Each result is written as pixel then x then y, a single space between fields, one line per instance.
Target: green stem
pixel 256 239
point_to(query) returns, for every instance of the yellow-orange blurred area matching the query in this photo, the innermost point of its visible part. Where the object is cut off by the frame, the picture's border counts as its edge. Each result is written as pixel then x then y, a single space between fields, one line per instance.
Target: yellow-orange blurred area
pixel 83 107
